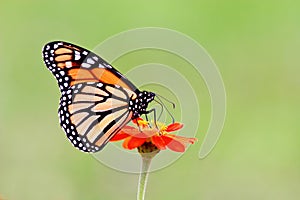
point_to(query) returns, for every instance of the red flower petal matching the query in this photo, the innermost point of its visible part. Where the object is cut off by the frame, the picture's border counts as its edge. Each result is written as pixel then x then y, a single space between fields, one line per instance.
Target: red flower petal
pixel 174 145
pixel 174 127
pixel 183 140
pixel 125 143
pixel 149 132
pixel 166 138
pixel 130 130
pixel 119 136
pixel 158 142
pixel 133 142
pixel 140 135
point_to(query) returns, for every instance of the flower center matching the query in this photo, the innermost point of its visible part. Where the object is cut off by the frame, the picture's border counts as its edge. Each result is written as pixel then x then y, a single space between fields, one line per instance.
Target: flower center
pixel 148 148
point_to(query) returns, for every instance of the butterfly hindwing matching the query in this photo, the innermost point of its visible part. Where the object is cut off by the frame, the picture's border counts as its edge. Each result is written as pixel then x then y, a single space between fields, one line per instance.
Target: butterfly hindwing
pixel 91 113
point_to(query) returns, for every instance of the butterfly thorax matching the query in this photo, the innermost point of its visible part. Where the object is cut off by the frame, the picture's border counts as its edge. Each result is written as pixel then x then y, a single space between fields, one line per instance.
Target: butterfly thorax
pixel 139 104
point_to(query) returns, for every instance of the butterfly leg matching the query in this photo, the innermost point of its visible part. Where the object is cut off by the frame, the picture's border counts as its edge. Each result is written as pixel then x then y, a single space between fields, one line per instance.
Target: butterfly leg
pixel 139 128
pixel 138 125
pixel 154 116
pixel 147 120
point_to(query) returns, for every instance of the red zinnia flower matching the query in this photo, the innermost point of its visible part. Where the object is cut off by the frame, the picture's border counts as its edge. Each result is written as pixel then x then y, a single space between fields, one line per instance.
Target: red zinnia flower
pixel 159 137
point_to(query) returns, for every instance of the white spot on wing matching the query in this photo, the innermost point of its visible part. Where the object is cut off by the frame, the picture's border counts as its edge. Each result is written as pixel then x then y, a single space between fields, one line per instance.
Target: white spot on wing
pixel 90 61
pixel 85 65
pixel 69 64
pixel 77 57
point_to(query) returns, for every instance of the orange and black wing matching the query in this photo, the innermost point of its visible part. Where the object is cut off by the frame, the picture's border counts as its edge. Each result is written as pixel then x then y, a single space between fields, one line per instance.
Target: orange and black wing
pixel 91 113
pixel 71 64
pixel 96 100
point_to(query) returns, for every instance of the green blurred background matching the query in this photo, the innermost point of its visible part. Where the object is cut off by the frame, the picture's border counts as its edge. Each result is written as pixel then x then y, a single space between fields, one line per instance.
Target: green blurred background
pixel 255 45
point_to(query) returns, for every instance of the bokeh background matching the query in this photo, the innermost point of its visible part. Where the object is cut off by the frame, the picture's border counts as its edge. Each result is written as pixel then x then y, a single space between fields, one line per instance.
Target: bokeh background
pixel 255 45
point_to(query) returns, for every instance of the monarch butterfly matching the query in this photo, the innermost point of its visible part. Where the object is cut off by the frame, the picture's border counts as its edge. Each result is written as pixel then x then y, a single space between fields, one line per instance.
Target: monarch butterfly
pixel 96 99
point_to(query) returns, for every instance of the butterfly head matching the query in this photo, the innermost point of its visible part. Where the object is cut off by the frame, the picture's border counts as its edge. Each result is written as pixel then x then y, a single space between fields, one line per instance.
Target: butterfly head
pixel 139 105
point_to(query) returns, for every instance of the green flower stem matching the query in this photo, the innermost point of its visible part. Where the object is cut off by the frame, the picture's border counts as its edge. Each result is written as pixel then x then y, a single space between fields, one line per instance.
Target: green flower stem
pixel 147 152
pixel 146 161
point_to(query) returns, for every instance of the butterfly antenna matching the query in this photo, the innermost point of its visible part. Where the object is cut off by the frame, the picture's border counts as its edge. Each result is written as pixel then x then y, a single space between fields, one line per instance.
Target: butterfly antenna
pixel 158 97
pixel 167 100
pixel 162 108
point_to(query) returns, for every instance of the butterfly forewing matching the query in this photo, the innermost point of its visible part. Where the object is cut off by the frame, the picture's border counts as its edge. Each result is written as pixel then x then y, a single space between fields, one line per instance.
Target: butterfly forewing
pixel 71 64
